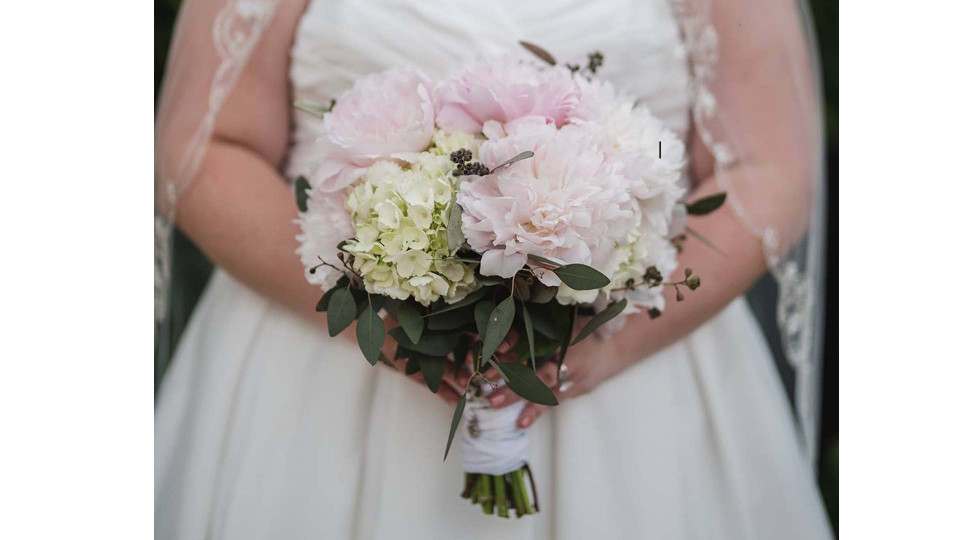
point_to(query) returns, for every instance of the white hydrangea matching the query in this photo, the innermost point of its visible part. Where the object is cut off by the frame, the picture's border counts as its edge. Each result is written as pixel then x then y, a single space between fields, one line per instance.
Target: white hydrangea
pixel 400 217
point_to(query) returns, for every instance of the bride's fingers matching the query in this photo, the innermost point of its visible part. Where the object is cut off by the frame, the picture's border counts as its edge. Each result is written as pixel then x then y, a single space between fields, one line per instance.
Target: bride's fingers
pixel 529 414
pixel 503 396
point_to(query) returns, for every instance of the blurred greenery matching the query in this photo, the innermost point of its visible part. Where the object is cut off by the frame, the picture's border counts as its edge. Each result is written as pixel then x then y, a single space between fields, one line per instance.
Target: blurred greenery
pixel 191 269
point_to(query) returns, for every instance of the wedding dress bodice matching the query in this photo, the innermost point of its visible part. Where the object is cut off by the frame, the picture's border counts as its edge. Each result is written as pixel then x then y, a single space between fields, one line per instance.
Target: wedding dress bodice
pixel 339 41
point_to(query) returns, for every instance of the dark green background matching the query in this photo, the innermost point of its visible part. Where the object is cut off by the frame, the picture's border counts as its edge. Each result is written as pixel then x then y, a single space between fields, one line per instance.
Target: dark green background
pixel 191 270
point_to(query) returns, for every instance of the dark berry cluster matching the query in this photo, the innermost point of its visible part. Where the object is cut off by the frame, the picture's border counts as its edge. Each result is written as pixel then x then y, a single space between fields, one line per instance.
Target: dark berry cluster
pixel 594 61
pixel 462 158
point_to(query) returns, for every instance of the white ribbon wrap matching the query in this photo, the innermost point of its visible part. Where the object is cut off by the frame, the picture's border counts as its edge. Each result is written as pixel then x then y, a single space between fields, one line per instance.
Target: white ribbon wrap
pixel 492 443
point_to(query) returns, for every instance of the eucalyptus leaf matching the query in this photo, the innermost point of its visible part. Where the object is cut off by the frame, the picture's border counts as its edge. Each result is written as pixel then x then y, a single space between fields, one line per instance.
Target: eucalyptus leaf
pixel 371 333
pixel 501 318
pixel 524 381
pixel 432 368
pixel 451 320
pixel 413 365
pixel 600 319
pixel 521 289
pixel 541 294
pixel 312 107
pixel 545 321
pixel 567 335
pixel 410 321
pixel 429 344
pixel 460 353
pixel 490 281
pixel 539 52
pixel 526 154
pixel 528 325
pixel 301 186
pixel 457 413
pixel 467 300
pixel 581 277
pixel 341 311
pixel 496 366
pixel 543 260
pixel 481 314
pixel 455 236
pixel 704 206
pixel 324 302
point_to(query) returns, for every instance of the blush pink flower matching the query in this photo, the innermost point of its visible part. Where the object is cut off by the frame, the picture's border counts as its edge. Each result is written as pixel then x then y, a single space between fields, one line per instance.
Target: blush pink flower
pixel 384 115
pixel 503 89
pixel 568 202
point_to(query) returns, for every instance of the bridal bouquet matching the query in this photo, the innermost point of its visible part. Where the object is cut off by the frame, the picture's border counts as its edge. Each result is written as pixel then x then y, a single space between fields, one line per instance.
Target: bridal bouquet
pixel 513 194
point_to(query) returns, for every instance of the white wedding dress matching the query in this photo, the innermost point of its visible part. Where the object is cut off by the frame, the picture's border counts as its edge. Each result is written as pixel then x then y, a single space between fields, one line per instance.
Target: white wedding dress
pixel 268 428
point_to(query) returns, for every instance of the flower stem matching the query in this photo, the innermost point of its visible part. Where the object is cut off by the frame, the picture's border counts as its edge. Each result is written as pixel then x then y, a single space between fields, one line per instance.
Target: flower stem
pixel 486 497
pixel 500 493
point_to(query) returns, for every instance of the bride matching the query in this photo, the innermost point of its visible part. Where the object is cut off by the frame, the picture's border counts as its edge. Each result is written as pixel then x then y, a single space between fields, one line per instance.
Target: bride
pixel 674 428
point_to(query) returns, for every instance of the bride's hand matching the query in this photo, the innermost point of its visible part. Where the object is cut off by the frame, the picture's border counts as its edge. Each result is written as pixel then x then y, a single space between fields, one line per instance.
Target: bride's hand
pixel 588 364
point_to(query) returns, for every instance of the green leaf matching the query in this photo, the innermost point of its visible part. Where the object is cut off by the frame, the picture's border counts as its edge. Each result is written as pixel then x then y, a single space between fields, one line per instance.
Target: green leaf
pixel 481 314
pixel 467 300
pixel 341 311
pixel 413 365
pixel 522 290
pixel 371 333
pixel 452 320
pixel 499 370
pixel 432 368
pixel 581 277
pixel 410 321
pixel 301 186
pixel 567 335
pixel 455 236
pixel 541 294
pixel 501 318
pixel 539 52
pixel 543 260
pixel 312 107
pixel 600 319
pixel 524 381
pixel 704 206
pixel 324 302
pixel 490 281
pixel 457 413
pixel 526 154
pixel 429 344
pixel 545 321
pixel 528 324
pixel 460 354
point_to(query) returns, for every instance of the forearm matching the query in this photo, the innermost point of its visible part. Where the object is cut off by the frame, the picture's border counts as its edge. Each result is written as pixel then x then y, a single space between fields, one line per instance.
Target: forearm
pixel 723 278
pixel 241 213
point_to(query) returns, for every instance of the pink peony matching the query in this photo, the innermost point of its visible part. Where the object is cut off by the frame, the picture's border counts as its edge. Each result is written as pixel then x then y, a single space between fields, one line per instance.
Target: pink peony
pixel 504 89
pixel 652 156
pixel 384 115
pixel 568 202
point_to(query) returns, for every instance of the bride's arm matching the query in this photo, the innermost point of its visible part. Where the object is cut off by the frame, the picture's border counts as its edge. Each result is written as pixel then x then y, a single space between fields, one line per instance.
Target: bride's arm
pixel 762 101
pixel 239 210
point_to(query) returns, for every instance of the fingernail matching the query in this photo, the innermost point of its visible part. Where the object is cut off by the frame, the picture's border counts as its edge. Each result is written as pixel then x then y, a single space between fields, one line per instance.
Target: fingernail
pixel 496 399
pixel 525 421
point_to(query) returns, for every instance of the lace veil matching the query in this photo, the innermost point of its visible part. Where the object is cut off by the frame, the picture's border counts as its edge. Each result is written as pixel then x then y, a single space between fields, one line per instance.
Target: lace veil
pixel 214 39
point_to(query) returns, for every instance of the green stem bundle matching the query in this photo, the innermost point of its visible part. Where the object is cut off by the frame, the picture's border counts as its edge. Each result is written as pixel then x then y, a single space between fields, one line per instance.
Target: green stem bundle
pixel 499 493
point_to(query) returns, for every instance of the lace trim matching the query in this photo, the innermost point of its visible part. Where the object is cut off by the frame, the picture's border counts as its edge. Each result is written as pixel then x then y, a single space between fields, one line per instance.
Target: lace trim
pixel 795 303
pixel 236 31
